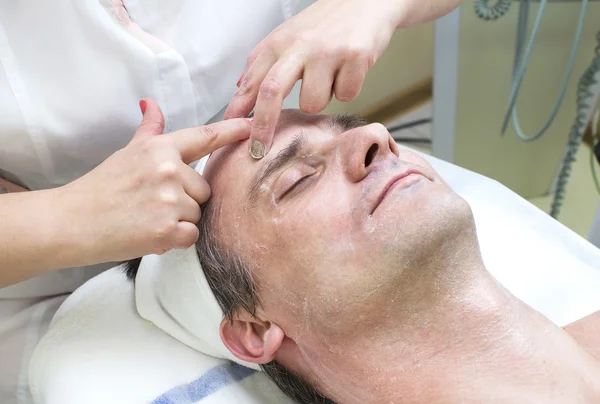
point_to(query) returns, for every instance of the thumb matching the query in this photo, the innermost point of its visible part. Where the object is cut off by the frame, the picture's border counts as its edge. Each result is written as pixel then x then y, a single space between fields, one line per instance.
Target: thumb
pixel 153 121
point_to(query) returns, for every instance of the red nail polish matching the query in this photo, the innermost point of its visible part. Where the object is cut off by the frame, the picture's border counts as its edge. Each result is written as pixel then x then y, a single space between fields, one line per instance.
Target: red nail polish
pixel 240 80
pixel 143 107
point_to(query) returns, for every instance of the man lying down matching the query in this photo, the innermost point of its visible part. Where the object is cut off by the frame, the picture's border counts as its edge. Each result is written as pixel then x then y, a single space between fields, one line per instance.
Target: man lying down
pixel 351 272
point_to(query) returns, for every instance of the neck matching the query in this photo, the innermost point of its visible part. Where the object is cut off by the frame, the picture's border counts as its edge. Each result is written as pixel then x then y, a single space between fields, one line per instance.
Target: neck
pixel 477 344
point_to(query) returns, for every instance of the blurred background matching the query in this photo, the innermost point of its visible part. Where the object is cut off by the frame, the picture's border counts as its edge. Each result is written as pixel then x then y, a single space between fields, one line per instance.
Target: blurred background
pixel 443 88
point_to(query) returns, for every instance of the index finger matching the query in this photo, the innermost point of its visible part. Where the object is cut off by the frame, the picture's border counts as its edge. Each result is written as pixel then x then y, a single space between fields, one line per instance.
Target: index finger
pixel 276 86
pixel 195 143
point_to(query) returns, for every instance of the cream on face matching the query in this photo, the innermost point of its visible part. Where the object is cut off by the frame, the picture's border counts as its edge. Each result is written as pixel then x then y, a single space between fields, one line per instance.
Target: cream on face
pixel 329 220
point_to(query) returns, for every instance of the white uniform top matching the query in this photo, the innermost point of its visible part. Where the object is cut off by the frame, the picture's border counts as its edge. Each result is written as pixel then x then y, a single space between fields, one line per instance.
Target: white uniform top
pixel 71 75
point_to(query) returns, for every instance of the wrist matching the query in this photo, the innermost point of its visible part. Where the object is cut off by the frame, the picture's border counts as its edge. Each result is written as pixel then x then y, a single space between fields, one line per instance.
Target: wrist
pixel 398 11
pixel 69 226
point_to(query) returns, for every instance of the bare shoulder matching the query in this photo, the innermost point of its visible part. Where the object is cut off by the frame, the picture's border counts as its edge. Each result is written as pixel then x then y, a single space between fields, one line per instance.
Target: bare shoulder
pixel 587 332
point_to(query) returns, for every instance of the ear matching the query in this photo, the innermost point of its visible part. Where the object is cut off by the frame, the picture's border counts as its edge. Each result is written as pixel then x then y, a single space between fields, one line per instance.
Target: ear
pixel 251 339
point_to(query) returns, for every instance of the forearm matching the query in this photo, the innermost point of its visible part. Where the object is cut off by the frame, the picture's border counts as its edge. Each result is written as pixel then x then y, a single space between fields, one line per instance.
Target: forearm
pixel 36 236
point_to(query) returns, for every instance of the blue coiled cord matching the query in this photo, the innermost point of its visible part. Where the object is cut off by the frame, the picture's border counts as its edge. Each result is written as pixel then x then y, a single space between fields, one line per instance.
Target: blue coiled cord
pixel 522 60
pixel 523 55
pixel 584 96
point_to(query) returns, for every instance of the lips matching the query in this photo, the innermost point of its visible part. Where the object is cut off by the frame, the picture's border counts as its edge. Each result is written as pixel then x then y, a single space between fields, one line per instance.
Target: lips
pixel 389 184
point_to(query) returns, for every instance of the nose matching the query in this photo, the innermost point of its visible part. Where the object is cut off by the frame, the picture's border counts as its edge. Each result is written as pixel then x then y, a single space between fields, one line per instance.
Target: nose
pixel 362 148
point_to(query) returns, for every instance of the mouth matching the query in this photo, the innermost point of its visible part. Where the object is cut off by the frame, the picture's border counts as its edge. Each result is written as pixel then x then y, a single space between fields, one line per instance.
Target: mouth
pixel 400 181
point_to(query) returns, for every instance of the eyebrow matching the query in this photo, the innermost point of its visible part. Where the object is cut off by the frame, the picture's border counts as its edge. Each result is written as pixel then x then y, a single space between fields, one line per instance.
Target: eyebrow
pixel 336 123
pixel 285 155
pixel 345 122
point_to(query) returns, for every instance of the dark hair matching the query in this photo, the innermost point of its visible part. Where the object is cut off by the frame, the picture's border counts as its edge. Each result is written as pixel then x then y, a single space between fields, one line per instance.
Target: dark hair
pixel 230 279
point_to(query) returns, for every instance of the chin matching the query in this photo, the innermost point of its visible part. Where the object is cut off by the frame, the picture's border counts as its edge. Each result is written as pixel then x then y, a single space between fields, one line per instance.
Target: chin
pixel 412 231
pixel 423 247
pixel 446 214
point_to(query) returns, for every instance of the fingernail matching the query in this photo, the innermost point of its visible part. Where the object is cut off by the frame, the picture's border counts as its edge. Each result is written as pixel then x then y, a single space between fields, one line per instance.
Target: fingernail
pixel 143 107
pixel 240 80
pixel 257 150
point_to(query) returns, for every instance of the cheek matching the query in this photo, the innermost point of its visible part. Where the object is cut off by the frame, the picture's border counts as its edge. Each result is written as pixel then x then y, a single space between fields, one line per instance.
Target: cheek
pixel 309 234
pixel 414 158
pixel 318 222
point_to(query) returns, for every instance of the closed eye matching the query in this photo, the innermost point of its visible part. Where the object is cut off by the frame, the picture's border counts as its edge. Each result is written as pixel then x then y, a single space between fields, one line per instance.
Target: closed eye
pixel 296 187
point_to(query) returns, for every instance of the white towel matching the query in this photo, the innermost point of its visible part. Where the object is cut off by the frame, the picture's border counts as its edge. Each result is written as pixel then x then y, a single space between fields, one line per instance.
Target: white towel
pixel 173 293
pixel 98 350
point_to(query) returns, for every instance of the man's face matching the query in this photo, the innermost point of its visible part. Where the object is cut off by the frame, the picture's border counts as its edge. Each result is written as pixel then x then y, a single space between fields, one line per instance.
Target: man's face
pixel 333 222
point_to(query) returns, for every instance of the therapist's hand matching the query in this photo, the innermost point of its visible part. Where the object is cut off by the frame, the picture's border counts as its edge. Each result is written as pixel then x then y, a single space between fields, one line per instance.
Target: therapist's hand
pixel 330 46
pixel 144 199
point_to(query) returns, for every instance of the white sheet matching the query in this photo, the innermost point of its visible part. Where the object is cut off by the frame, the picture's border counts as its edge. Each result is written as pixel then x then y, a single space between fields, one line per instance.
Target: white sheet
pixel 98 350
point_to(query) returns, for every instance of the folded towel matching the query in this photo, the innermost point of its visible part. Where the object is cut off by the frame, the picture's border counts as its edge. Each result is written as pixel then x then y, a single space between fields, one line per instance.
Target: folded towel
pixel 173 293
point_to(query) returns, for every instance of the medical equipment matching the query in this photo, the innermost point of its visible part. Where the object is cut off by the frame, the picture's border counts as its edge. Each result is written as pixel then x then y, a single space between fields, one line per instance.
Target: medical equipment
pixel 594 133
pixel 584 96
pixel 98 349
pixel 522 57
pixel 596 139
pixel 407 125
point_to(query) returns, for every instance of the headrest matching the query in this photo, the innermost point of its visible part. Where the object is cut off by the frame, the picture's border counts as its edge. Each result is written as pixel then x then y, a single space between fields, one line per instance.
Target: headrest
pixel 172 292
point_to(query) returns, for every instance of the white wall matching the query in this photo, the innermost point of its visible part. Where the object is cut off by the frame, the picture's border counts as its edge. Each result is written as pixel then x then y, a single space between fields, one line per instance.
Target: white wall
pixel 408 60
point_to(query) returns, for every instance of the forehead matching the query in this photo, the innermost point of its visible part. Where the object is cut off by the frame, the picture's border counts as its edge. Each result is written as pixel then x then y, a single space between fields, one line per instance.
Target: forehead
pixel 232 165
